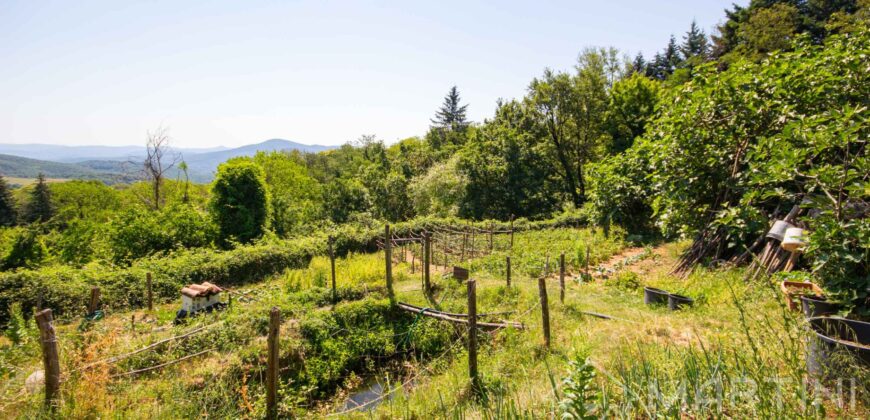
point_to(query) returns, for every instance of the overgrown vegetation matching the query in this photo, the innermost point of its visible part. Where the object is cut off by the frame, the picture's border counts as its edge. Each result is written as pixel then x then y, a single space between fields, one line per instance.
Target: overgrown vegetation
pixel 713 138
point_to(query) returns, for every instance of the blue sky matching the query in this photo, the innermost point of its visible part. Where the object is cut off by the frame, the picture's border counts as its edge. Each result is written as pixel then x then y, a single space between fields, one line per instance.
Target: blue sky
pixel 238 72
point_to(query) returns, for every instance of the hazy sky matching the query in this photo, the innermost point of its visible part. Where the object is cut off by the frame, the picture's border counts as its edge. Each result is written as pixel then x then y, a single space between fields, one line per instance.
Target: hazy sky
pixel 237 72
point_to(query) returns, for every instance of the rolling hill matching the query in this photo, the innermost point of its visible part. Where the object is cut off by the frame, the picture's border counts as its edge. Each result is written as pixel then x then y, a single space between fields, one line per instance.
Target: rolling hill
pixel 113 164
pixel 21 167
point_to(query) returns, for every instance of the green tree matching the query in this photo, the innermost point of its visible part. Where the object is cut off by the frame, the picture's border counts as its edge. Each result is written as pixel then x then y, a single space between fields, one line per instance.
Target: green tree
pixel 296 197
pixel 78 199
pixel 40 207
pixel 507 167
pixel 8 209
pixel 440 191
pixel 451 115
pixel 770 28
pixel 632 104
pixel 240 201
pixel 27 250
pixel 571 111
pixel 695 43
pixel 343 198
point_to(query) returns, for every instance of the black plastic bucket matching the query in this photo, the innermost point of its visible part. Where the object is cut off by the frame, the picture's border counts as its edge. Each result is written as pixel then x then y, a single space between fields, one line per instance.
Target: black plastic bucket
pixel 814 306
pixel 833 337
pixel 677 302
pixel 653 296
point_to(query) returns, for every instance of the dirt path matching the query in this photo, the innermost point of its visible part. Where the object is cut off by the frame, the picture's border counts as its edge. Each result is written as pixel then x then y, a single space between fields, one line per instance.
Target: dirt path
pixel 624 261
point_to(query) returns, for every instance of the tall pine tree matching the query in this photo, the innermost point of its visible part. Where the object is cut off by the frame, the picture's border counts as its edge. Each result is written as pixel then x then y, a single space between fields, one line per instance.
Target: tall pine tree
pixel 451 115
pixel 672 55
pixel 695 43
pixel 639 65
pixel 39 208
pixel 8 211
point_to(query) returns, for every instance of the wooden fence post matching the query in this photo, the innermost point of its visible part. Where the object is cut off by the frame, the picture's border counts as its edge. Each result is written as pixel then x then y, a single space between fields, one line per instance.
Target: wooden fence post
pixel 50 363
pixel 95 300
pixel 512 232
pixel 388 252
pixel 464 244
pixel 471 254
pixel 150 294
pixel 490 237
pixel 588 277
pixel 545 310
pixel 547 266
pixel 272 367
pixel 427 259
pixel 508 266
pixel 562 277
pixel 472 336
pixel 332 267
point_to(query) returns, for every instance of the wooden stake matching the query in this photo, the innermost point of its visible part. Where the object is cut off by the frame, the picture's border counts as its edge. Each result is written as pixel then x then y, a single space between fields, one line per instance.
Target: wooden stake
pixel 490 237
pixel 547 266
pixel 472 336
pixel 562 277
pixel 508 266
pixel 545 310
pixel 50 363
pixel 332 266
pixel 512 232
pixel 388 253
pixel 272 367
pixel 427 257
pixel 471 255
pixel 95 300
pixel 587 263
pixel 133 322
pixel 150 294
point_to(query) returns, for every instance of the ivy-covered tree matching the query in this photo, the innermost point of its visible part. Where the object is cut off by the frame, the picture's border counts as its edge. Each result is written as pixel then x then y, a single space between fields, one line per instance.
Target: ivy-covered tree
pixel 240 201
pixel 39 208
pixel 8 209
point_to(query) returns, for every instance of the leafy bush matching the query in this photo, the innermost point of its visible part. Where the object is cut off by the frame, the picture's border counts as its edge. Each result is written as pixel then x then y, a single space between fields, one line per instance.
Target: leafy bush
pixel 137 233
pixel 27 250
pixel 65 289
pixel 240 201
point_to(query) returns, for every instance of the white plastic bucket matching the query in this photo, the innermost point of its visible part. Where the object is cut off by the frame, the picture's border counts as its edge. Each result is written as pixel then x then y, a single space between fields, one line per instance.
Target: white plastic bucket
pixel 778 230
pixel 794 239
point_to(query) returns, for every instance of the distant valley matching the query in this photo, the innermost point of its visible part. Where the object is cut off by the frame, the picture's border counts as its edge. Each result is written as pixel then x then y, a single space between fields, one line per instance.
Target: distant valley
pixel 119 164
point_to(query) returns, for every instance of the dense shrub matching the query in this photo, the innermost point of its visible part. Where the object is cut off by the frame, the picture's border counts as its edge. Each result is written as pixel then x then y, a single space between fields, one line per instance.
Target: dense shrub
pixel 240 201
pixel 65 289
pixel 137 233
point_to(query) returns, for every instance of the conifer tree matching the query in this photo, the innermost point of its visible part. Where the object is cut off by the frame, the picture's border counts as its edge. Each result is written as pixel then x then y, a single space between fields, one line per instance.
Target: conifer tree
pixel 695 42
pixel 451 115
pixel 8 211
pixel 639 64
pixel 39 208
pixel 672 55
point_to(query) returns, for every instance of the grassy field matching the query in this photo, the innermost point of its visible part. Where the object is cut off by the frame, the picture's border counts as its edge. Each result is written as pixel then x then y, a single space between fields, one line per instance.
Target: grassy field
pixel 27 181
pixel 736 353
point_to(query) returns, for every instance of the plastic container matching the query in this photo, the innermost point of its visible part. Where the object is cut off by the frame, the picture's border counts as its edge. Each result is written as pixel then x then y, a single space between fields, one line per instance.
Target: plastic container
pixel 794 239
pixel 833 338
pixel 793 290
pixel 653 296
pixel 814 306
pixel 778 230
pixel 677 302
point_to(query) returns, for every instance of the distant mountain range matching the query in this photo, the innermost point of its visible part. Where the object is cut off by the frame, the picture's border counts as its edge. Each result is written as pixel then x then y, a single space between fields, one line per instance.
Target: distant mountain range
pixel 113 164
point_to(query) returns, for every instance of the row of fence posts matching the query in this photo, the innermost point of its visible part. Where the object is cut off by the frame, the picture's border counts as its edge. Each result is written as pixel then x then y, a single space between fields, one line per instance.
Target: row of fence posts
pixel 51 363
